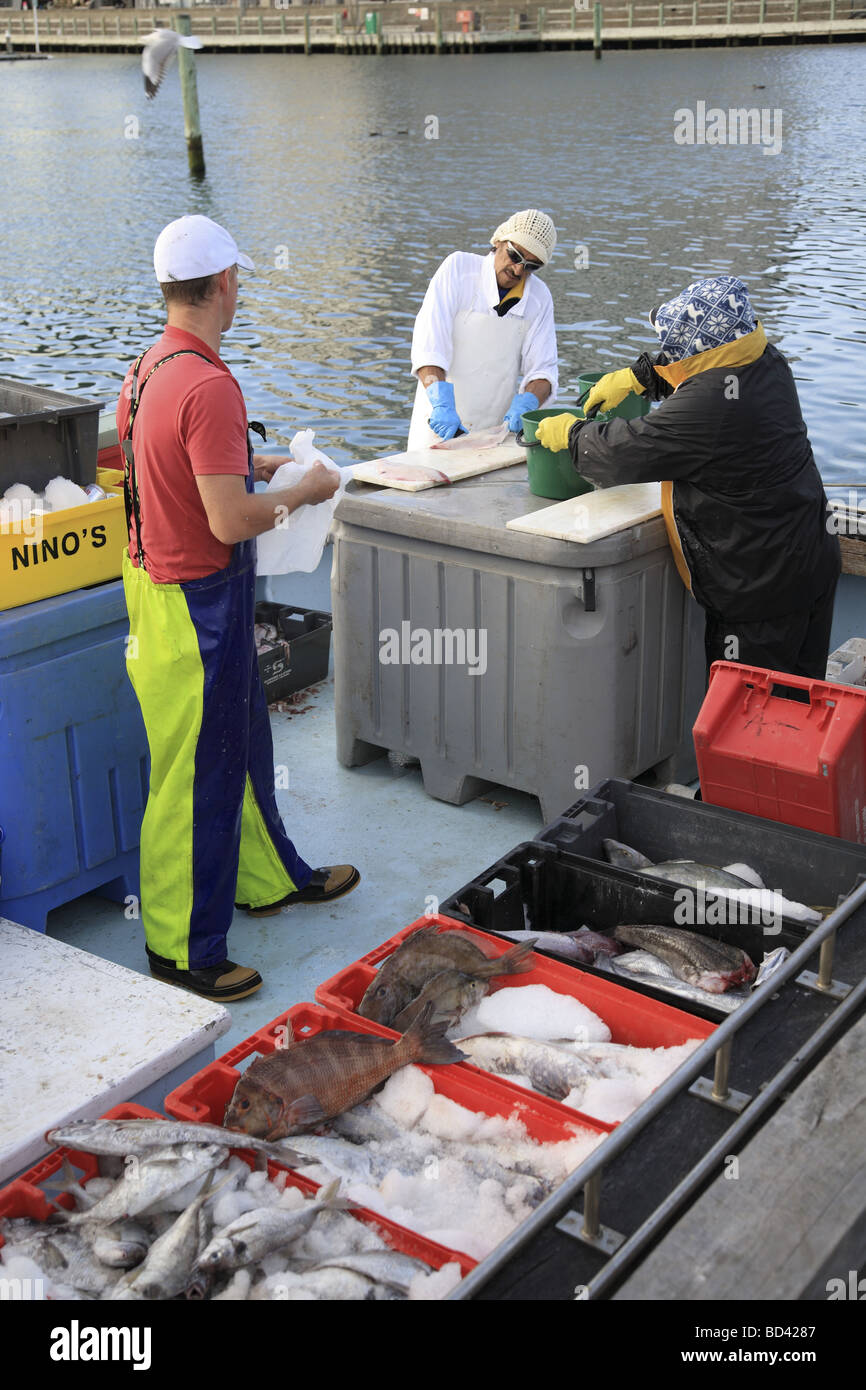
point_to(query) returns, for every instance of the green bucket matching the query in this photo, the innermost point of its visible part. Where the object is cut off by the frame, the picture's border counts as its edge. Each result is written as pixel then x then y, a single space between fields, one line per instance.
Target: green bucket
pixel 629 409
pixel 553 475
pixel 550 475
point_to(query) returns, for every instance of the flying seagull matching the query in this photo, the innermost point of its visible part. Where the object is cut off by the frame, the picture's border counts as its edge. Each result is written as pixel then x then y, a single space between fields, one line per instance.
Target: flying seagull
pixel 159 49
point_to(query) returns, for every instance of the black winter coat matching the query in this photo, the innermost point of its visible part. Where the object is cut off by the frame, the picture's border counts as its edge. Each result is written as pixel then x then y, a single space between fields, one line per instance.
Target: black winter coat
pixel 748 501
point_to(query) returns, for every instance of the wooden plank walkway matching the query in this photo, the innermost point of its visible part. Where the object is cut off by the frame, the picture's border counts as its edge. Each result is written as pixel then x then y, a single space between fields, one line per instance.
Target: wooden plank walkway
pixel 306 30
pixel 782 1228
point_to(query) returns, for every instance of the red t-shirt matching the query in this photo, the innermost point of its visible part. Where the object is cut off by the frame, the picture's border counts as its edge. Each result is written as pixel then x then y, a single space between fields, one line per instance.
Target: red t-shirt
pixel 191 420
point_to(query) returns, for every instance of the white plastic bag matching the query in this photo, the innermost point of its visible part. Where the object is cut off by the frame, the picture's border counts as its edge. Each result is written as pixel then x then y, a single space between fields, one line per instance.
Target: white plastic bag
pixel 297 541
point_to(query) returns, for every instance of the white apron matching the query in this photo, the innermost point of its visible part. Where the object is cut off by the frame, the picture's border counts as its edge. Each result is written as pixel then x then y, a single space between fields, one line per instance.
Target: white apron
pixel 485 370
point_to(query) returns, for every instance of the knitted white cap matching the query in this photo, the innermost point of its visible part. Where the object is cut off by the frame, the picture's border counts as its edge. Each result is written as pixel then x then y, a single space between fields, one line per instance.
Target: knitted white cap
pixel 531 229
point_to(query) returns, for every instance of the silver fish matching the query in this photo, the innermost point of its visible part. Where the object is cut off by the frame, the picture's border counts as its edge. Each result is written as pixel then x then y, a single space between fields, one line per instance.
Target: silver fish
pixel 365 1122
pixel 708 964
pixel 81 1269
pixel 327 1285
pixel 735 881
pixel 170 1259
pixel 388 1267
pixel 254 1234
pixel 124 1137
pixel 552 1070
pixel 122 1246
pixel 686 871
pixel 344 1159
pixel 151 1179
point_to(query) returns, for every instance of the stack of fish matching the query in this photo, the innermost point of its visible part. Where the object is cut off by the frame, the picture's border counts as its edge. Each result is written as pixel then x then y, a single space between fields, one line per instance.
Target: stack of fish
pixel 446 970
pixel 183 1218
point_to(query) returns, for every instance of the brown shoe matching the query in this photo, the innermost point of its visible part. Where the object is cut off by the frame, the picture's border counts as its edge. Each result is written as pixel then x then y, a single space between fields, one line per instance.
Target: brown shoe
pixel 222 983
pixel 334 881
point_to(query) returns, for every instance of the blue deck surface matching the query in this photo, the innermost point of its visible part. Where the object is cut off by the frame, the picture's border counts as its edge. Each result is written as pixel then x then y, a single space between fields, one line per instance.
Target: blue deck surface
pixel 407 846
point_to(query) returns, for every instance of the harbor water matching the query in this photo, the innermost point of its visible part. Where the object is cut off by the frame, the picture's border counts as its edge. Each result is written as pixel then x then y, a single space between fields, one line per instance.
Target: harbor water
pixel 349 179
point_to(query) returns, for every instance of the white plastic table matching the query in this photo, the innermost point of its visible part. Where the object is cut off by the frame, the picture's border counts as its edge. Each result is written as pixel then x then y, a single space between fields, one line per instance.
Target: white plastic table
pixel 79 1035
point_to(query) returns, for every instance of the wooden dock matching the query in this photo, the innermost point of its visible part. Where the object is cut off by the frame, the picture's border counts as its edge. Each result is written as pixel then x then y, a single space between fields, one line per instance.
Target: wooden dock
pixel 787 1229
pixel 436 29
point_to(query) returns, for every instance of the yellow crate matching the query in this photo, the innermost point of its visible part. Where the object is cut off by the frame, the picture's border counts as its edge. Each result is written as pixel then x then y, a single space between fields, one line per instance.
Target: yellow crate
pixel 61 551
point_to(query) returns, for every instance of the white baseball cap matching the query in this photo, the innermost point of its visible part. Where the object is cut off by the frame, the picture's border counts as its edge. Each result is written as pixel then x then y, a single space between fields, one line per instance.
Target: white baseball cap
pixel 192 247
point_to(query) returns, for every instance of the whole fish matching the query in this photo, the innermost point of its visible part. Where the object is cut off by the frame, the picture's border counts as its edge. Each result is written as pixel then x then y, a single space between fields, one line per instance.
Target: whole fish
pixel 36 1240
pixel 256 1233
pixel 427 953
pixel 169 1262
pixel 686 871
pixel 298 1087
pixel 453 994
pixel 582 945
pixel 125 1137
pixel 149 1180
pixel 353 1162
pixel 122 1246
pixel 367 1121
pixel 712 965
pixel 735 881
pixel 551 1070
pixel 81 1269
pixel 388 1267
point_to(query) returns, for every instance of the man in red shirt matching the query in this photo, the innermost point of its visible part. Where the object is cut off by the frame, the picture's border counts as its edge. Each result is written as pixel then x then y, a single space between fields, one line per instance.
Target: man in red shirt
pixel 212 837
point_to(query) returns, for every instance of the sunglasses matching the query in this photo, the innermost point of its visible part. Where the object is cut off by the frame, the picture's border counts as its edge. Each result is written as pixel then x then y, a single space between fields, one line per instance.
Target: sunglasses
pixel 516 258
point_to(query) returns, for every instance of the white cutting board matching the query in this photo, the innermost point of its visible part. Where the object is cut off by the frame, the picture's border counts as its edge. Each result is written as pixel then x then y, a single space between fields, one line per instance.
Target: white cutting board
pixel 456 464
pixel 594 515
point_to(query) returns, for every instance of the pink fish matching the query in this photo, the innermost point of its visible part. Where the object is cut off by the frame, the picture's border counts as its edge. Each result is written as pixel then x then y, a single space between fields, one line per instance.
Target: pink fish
pixel 410 473
pixel 476 439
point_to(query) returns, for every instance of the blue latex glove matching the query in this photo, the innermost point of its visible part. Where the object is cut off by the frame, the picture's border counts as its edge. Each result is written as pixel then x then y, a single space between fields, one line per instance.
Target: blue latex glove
pixel 444 420
pixel 523 401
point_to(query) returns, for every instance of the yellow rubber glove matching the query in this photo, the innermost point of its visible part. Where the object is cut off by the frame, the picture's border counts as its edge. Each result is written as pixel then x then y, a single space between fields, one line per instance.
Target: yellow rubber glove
pixel 612 389
pixel 552 433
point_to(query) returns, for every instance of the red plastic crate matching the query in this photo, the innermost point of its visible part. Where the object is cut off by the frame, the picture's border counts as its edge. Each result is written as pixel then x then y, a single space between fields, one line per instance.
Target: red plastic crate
pixel 204 1096
pixel 799 763
pixel 24 1196
pixel 632 1018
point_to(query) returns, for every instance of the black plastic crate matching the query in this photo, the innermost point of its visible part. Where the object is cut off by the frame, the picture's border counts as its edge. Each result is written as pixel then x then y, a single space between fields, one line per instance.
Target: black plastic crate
pixel 45 434
pixel 547 889
pixel 299 658
pixel 804 865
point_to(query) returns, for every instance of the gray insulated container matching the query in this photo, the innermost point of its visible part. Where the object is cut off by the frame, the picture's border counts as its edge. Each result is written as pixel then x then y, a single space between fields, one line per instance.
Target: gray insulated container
pixel 589 658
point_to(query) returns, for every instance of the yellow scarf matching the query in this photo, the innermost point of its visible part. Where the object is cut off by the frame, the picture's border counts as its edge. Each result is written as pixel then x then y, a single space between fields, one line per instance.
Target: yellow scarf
pixel 737 354
pixel 516 293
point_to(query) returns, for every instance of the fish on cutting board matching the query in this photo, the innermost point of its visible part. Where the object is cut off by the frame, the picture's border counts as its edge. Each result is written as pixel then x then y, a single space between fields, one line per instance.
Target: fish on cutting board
pixel 476 439
pixel 408 472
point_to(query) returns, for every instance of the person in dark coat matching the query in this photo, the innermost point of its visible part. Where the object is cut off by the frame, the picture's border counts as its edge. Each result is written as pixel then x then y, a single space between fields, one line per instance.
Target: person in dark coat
pixel 743 502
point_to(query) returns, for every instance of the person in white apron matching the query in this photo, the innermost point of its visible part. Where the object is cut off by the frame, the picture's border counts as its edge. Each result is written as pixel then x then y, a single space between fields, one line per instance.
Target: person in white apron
pixel 484 345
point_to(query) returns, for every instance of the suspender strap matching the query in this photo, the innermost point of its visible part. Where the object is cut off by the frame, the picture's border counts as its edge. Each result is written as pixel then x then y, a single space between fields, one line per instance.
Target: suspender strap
pixel 131 499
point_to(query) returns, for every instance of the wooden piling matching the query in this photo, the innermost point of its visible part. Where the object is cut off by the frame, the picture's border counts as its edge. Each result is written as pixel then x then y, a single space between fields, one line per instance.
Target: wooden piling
pixel 189 91
pixel 596 29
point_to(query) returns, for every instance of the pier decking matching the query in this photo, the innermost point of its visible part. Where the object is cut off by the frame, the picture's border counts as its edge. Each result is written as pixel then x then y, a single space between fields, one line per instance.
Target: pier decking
pixel 436 29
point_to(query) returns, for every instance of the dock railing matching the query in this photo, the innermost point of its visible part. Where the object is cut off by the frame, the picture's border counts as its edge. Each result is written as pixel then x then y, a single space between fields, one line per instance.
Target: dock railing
pixel 623 1252
pixel 403 26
